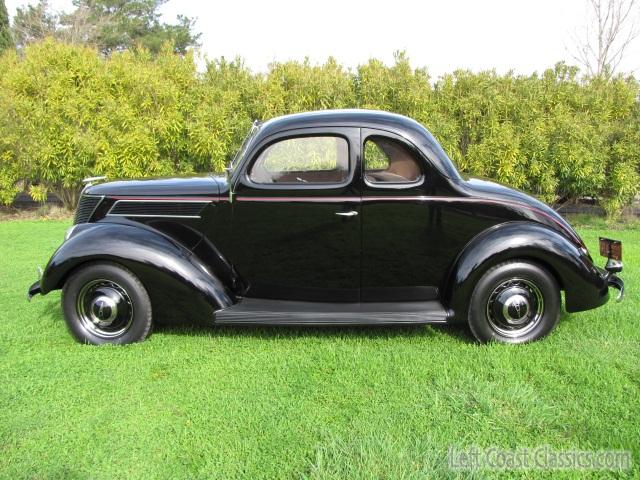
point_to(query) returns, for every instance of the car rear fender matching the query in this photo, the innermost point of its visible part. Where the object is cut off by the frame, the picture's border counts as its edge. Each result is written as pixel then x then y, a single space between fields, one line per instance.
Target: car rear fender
pixel 584 285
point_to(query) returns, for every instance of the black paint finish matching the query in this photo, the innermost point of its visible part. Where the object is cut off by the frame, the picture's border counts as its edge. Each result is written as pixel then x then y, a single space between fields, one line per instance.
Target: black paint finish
pixel 180 285
pixel 584 284
pixel 164 187
pixel 289 242
pixel 425 243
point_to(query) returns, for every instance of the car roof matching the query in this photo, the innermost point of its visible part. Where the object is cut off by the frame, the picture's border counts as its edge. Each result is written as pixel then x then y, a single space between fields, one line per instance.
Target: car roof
pixel 393 122
pixel 345 117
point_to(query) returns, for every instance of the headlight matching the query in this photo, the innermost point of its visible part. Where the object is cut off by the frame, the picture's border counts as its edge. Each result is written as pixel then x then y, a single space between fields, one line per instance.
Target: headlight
pixel 69 232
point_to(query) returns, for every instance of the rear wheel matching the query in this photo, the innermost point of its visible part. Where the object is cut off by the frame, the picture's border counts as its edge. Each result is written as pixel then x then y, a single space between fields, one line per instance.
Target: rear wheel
pixel 514 302
pixel 106 303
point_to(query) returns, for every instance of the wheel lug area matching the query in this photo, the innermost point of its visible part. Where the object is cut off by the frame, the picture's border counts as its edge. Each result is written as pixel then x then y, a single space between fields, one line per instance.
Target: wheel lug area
pixel 514 307
pixel 104 308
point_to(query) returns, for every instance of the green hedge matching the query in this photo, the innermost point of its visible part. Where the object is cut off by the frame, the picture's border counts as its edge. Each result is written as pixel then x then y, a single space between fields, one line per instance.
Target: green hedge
pixel 66 113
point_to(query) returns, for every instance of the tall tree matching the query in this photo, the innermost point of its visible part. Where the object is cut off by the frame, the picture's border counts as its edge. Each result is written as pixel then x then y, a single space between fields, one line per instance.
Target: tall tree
pixel 5 30
pixel 109 25
pixel 612 26
pixel 114 25
pixel 33 22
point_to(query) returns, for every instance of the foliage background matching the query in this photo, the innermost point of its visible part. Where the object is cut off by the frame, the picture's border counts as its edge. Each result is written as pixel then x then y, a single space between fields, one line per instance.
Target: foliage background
pixel 68 111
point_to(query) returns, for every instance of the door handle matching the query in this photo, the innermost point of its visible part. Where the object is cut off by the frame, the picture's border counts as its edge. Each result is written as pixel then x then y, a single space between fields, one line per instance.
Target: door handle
pixel 352 213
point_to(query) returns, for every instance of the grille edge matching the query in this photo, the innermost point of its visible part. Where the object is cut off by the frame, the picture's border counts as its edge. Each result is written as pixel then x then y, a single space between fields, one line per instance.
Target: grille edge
pixel 86 207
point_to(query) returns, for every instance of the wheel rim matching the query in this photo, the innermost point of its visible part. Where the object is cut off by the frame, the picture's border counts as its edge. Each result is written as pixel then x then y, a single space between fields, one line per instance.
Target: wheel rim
pixel 104 308
pixel 515 307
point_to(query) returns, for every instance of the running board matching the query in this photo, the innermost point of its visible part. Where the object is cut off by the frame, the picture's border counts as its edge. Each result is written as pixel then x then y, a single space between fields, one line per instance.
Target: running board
pixel 252 311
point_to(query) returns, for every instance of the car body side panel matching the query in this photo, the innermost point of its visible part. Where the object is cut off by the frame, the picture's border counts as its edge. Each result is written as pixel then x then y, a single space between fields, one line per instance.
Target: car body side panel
pixel 412 233
pixel 585 286
pixel 178 282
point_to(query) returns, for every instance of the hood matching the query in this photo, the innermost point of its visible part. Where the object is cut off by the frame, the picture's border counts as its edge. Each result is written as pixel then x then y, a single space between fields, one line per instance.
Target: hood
pixel 161 187
pixel 541 211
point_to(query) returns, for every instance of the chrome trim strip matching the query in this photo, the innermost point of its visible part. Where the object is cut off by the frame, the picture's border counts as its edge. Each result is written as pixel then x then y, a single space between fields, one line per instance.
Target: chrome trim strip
pixel 97 204
pixel 416 198
pixel 100 197
pixel 363 199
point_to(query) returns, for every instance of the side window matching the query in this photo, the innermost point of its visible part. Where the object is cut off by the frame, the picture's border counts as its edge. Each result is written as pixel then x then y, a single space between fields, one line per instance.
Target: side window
pixel 388 161
pixel 301 160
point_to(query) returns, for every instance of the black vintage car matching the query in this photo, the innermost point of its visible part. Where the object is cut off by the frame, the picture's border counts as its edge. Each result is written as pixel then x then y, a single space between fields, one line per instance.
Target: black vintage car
pixel 324 218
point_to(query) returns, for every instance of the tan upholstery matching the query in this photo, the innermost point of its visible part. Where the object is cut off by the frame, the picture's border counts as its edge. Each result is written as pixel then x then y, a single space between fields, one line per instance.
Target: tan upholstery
pixel 401 161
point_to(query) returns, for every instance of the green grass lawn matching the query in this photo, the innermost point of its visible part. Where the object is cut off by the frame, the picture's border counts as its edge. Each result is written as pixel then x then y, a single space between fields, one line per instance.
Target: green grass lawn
pixel 301 403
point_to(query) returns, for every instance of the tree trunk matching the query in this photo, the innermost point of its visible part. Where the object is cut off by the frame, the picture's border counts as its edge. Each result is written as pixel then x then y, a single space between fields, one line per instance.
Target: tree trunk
pixel 68 196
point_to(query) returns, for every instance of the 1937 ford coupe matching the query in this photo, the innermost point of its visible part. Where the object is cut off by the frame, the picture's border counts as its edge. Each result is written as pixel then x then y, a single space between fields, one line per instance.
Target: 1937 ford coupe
pixel 333 217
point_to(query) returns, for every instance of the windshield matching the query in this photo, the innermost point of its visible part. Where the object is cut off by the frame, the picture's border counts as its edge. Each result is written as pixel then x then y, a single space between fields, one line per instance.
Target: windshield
pixel 243 149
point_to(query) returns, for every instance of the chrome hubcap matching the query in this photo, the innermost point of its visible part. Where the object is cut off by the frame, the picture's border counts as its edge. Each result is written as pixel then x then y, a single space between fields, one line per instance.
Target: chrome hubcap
pixel 104 308
pixel 515 307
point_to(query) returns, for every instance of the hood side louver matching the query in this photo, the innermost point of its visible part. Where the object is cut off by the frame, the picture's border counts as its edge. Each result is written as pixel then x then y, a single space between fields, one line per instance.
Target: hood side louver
pixel 157 208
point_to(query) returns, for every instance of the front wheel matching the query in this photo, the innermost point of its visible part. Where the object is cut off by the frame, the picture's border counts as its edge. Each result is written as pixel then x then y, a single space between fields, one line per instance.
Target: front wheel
pixel 106 303
pixel 514 302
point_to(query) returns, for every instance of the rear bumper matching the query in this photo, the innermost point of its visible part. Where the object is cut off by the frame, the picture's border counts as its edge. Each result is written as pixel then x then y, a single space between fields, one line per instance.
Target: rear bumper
pixel 616 282
pixel 34 290
pixel 592 290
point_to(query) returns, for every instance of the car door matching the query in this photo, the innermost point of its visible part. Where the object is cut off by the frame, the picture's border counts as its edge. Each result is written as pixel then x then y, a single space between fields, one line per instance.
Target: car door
pixel 401 227
pixel 296 217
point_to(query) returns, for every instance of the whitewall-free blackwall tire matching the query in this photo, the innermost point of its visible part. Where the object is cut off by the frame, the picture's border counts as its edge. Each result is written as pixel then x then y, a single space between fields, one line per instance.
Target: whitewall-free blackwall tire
pixel 106 303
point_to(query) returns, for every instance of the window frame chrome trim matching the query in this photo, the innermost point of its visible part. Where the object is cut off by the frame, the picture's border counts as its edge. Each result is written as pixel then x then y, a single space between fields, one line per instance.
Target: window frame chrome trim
pixel 348 133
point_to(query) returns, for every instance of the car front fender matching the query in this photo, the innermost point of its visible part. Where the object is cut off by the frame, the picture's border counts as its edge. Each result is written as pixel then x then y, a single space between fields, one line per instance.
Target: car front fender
pixel 178 282
pixel 584 284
